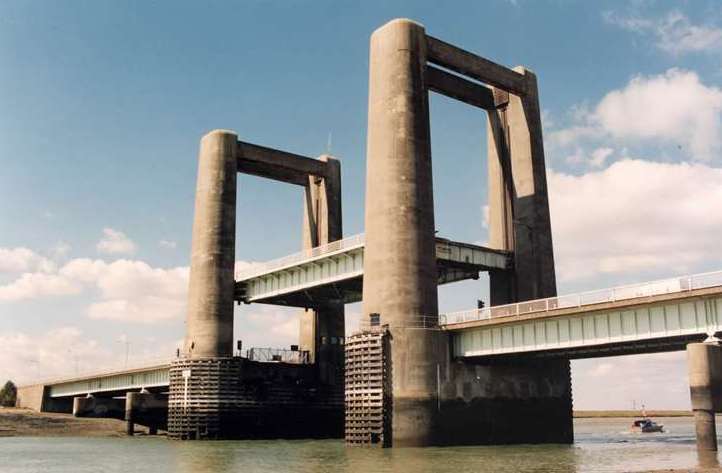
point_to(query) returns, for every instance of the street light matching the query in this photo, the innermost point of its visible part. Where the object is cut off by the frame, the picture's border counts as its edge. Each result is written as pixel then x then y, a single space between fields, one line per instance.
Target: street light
pixel 124 339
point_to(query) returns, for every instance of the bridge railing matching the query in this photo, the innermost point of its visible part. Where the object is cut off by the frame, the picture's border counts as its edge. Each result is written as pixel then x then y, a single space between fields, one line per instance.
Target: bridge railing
pixel 419 321
pixel 264 354
pixel 105 370
pixel 268 266
pixel 632 291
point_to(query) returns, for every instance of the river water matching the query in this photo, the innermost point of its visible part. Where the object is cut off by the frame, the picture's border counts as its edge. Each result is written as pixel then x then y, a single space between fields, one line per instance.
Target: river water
pixel 602 445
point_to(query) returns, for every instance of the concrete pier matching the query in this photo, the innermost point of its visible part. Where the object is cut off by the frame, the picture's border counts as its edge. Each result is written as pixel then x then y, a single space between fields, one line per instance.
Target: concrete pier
pixel 148 409
pixel 704 362
pixel 399 268
pixel 209 330
pixel 95 406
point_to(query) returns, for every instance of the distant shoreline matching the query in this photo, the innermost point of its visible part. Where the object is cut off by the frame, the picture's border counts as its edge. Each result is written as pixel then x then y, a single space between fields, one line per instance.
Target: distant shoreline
pixel 24 422
pixel 637 413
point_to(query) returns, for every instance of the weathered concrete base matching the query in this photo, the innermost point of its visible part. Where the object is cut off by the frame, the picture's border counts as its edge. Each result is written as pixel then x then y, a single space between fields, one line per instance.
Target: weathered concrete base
pixel 472 404
pixel 523 402
pixel 148 409
pixel 234 398
pixel 704 363
pixel 104 407
pixel 706 430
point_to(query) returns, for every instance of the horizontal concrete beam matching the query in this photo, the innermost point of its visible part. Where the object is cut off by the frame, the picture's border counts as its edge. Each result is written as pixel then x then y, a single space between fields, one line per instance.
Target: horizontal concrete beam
pixel 459 88
pixel 476 67
pixel 278 165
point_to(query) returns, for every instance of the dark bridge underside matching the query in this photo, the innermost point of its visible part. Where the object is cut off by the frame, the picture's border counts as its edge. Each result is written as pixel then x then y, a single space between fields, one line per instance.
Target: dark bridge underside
pixel 349 290
pixel 657 345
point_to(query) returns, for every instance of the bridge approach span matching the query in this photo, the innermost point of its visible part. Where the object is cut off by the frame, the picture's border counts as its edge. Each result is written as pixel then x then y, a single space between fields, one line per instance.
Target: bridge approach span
pixel 643 318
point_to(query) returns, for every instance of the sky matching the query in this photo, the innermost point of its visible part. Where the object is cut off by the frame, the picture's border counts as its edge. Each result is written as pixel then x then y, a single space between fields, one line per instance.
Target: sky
pixel 103 104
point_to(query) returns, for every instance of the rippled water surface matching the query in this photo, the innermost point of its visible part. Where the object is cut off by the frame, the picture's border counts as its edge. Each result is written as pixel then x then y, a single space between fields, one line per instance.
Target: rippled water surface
pixel 601 445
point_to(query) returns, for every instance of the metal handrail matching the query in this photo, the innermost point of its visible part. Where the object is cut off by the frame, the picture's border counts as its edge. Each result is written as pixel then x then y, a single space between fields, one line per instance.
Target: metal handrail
pixel 265 354
pixel 257 269
pixel 631 291
pixel 419 321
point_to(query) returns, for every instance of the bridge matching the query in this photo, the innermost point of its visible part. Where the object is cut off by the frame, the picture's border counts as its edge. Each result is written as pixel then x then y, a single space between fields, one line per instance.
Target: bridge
pixel 654 316
pixel 334 271
pixel 495 375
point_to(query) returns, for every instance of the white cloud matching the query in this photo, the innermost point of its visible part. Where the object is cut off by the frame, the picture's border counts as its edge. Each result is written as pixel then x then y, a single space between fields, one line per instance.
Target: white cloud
pixel 20 260
pixel 600 155
pixel 61 351
pixel 673 33
pixel 66 351
pixel 636 216
pixel 127 290
pixel 115 242
pixel 60 250
pixel 267 326
pixel 32 285
pixel 659 381
pixel 134 291
pixel 674 109
pixel 169 244
pixel 122 290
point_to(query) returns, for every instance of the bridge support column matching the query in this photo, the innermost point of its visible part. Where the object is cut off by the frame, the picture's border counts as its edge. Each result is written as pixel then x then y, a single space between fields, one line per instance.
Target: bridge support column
pixel 144 408
pixel 704 362
pixel 209 321
pixel 94 406
pixel 209 331
pixel 400 275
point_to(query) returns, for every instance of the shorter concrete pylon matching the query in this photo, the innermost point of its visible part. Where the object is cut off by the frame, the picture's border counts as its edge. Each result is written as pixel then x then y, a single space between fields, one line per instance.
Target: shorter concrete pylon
pixel 704 362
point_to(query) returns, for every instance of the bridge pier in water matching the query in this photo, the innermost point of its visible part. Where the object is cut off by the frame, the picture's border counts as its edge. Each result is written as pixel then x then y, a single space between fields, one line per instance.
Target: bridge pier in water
pixel 98 406
pixel 432 399
pixel 214 394
pixel 704 361
pixel 148 409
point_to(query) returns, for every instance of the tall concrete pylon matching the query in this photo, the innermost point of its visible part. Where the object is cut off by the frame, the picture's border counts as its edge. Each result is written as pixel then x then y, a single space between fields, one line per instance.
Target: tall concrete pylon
pixel 209 322
pixel 435 401
pixel 400 275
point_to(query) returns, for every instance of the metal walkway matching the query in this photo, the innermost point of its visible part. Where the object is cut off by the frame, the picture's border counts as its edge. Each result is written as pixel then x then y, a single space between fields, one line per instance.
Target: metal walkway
pixel 335 272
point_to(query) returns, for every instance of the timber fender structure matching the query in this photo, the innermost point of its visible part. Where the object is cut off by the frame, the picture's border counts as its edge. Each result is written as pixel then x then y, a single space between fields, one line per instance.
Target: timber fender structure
pixel 368 389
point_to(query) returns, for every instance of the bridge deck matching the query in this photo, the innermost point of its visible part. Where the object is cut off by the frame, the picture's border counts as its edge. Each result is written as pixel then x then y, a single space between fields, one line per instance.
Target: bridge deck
pixel 644 318
pixel 656 316
pixel 150 374
pixel 334 272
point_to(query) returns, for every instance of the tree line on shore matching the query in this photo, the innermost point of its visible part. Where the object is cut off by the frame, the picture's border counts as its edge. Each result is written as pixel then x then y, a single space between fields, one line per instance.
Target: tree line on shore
pixel 8 394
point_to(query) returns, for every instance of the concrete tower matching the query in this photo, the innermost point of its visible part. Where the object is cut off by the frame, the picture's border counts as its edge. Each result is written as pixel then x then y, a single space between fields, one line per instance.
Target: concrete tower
pixel 209 329
pixel 400 274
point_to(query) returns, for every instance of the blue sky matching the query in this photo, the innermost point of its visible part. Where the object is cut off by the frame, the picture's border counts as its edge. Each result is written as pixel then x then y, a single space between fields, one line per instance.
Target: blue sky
pixel 102 105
